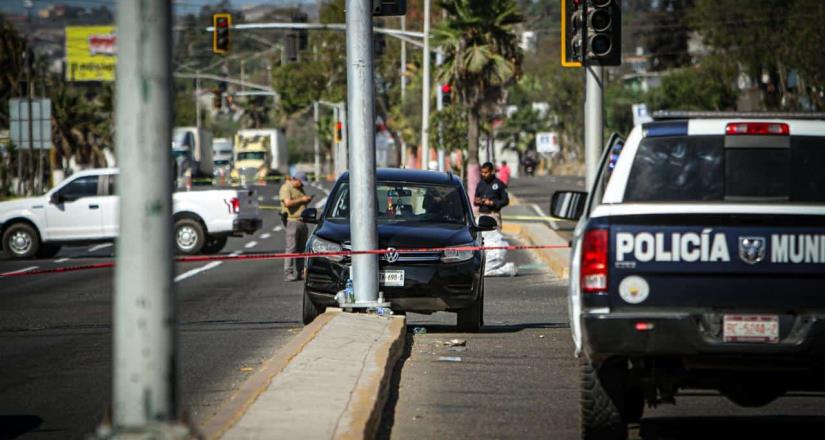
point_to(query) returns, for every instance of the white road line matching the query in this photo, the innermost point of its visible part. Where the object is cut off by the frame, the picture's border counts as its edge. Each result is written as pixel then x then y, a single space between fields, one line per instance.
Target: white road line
pixel 194 272
pixel 25 269
pixel 99 247
pixel 538 209
pixel 265 236
pixel 62 260
pixel 250 244
pixel 235 254
pixel 277 228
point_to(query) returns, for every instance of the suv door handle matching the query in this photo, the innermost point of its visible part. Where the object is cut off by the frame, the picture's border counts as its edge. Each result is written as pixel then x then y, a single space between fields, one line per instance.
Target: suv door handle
pixel 94 206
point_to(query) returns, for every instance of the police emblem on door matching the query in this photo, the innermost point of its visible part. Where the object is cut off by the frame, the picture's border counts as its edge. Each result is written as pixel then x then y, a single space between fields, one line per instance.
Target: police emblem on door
pixel 752 249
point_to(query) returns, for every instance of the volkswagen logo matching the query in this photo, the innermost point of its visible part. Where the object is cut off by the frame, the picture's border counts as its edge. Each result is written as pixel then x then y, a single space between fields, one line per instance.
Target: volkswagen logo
pixel 391 255
pixel 751 249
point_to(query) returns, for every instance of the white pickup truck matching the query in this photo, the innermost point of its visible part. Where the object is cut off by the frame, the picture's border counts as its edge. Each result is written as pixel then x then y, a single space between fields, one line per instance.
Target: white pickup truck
pixel 84 209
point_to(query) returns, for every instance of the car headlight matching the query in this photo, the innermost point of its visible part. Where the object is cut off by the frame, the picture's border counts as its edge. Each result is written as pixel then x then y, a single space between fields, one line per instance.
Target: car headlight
pixel 454 255
pixel 319 245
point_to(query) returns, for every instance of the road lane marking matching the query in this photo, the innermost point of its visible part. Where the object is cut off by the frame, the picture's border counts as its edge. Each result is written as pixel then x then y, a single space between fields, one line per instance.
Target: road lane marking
pixel 25 269
pixel 250 244
pixel 265 236
pixel 277 228
pixel 235 254
pixel 538 209
pixel 62 260
pixel 99 247
pixel 194 272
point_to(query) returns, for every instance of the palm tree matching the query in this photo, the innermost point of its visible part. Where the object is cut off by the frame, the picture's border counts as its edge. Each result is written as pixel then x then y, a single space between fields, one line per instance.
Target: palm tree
pixel 481 58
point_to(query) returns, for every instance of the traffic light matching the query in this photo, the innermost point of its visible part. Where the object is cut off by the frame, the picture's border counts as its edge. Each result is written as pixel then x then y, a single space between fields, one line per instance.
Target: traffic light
pixel 303 34
pixel 217 98
pixel 291 47
pixel 604 32
pixel 389 8
pixel 446 94
pixel 220 32
pixel 571 32
pixel 338 134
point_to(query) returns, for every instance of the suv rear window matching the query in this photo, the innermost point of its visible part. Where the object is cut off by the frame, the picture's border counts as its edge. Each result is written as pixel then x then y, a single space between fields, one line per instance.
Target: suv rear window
pixel 702 169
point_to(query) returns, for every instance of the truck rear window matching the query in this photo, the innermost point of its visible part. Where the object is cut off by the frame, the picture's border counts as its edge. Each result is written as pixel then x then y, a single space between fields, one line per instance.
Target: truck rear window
pixel 702 169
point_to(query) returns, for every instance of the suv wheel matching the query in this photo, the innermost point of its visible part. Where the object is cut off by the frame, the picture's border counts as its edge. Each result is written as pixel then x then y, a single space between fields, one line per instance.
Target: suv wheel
pixel 311 311
pixel 471 319
pixel 601 418
pixel 189 236
pixel 21 241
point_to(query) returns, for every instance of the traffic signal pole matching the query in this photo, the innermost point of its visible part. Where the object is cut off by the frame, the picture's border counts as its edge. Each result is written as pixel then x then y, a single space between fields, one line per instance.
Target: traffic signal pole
pixel 424 149
pixel 145 397
pixel 593 121
pixel 361 131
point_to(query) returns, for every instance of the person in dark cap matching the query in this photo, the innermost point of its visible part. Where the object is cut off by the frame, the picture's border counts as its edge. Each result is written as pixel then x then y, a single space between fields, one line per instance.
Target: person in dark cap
pixel 491 193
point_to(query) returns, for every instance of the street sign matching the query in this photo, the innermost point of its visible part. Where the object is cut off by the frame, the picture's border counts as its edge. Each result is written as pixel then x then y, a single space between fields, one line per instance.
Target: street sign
pixel 41 132
pixel 547 142
pixel 91 53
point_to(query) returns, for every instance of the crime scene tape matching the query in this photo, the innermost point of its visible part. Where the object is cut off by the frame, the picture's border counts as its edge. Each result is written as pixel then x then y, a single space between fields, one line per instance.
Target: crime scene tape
pixel 282 255
pixel 533 217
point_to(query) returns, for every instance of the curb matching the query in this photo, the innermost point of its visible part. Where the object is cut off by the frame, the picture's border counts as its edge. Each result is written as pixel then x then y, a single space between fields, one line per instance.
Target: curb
pixel 558 260
pixel 233 409
pixel 372 390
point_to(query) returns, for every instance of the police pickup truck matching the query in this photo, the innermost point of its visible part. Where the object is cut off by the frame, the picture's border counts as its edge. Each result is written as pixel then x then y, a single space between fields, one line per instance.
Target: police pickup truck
pixel 698 262
pixel 84 209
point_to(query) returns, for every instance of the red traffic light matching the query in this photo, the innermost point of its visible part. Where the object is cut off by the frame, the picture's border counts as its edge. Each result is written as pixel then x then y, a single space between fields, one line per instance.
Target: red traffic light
pixel 445 88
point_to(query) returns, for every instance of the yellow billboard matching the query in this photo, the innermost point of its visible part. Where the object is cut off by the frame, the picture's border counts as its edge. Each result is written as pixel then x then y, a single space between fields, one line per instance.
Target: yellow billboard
pixel 91 53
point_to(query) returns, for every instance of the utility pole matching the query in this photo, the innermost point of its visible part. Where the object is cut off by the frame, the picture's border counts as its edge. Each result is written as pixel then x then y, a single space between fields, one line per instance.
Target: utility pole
pixel 403 87
pixel 145 397
pixel 197 98
pixel 424 150
pixel 316 118
pixel 593 121
pixel 439 103
pixel 243 76
pixel 361 104
pixel 29 4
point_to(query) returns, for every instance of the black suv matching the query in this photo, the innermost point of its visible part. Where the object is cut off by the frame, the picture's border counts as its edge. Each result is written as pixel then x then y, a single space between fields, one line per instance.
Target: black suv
pixel 416 209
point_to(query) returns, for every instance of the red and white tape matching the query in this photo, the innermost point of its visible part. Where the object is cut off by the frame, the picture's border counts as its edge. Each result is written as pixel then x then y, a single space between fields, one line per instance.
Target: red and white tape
pixel 278 256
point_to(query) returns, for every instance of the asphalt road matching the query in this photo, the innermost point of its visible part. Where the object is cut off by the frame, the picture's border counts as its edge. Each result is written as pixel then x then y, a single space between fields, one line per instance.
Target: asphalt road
pixel 534 193
pixel 55 332
pixel 518 379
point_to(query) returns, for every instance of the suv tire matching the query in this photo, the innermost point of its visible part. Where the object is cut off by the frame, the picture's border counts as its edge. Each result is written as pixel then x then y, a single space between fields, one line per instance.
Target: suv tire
pixel 21 241
pixel 310 310
pixel 471 319
pixel 601 418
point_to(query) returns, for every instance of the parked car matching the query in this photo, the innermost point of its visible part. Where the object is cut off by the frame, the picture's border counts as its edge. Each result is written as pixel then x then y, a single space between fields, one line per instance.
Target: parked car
pixel 416 209
pixel 84 209
pixel 698 262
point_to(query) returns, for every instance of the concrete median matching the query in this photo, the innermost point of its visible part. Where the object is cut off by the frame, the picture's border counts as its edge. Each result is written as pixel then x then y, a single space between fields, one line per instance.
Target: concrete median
pixel 331 381
pixel 539 234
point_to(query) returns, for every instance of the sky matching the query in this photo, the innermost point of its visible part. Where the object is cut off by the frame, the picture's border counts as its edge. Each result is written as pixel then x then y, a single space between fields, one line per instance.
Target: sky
pixel 181 6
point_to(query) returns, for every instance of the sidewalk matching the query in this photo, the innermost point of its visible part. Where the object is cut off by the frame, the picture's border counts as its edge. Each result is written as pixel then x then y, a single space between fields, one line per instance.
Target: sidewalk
pixel 539 234
pixel 330 382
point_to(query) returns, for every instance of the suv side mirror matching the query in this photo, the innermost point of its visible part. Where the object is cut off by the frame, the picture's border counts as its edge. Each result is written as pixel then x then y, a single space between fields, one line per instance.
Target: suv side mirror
pixel 568 205
pixel 309 215
pixel 486 223
pixel 55 198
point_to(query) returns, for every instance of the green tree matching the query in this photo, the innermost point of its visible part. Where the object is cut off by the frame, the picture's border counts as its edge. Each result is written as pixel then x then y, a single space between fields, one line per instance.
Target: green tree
pixel 664 31
pixel 482 57
pixel 12 66
pixel 709 86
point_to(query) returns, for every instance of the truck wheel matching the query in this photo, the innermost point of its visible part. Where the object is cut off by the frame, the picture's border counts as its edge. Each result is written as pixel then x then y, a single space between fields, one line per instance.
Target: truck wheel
pixel 471 319
pixel 214 245
pixel 48 250
pixel 189 236
pixel 311 311
pixel 21 241
pixel 600 416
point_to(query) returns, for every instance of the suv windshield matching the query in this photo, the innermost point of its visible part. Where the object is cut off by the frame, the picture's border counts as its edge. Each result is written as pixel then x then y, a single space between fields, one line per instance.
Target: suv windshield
pixel 701 168
pixel 252 155
pixel 407 202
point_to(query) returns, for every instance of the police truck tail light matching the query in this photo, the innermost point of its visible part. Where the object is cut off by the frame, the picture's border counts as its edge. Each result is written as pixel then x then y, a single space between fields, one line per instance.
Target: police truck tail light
pixel 594 261
pixel 757 128
pixel 236 205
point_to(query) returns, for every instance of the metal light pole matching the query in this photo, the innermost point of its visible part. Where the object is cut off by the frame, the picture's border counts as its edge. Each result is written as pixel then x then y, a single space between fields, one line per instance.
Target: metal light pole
pixel 439 103
pixel 144 374
pixel 593 121
pixel 424 152
pixel 29 4
pixel 361 102
pixel 197 98
pixel 403 87
pixel 316 116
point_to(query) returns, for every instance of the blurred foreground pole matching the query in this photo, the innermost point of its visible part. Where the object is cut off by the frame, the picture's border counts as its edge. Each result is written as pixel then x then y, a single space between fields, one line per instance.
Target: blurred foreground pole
pixel 361 142
pixel 593 121
pixel 144 370
pixel 317 146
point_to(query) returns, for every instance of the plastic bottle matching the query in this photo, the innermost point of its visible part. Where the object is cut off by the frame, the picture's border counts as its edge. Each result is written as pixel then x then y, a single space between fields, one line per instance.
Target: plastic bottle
pixel 349 293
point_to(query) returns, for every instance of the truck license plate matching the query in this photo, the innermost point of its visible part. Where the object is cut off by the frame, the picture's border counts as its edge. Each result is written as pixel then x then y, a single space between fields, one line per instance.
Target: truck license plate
pixel 751 328
pixel 392 278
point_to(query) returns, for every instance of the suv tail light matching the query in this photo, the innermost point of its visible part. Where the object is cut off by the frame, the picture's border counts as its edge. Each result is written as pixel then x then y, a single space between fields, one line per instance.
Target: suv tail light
pixel 757 128
pixel 594 261
pixel 236 205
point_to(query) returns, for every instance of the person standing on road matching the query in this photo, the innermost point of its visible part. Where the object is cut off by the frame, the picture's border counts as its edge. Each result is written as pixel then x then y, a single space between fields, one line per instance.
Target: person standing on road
pixel 491 193
pixel 504 173
pixel 293 202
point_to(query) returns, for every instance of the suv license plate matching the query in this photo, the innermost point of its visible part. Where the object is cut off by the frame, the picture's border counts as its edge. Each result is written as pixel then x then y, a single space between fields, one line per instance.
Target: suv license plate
pixel 751 328
pixel 392 278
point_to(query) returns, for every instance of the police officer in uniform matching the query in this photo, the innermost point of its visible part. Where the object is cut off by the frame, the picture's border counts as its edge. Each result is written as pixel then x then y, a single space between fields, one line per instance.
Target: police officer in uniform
pixel 491 193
